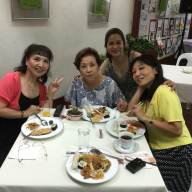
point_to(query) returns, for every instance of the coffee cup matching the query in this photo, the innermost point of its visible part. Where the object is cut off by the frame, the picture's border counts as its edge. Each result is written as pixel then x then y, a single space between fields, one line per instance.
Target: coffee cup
pixel 126 139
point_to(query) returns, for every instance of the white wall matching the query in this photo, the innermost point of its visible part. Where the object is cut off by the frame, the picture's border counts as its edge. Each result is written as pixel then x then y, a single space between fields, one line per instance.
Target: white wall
pixel 65 33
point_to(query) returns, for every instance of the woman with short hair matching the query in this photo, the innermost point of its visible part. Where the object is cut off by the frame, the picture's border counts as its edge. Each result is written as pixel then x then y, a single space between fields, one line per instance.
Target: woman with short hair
pixel 92 87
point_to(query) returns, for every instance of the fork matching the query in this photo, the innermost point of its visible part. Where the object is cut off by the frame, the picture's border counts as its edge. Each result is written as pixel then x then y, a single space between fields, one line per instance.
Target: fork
pixel 43 121
pixel 89 116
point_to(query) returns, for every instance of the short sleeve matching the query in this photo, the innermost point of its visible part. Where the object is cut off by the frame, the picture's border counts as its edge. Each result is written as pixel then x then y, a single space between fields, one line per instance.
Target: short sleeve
pixel 68 95
pixel 43 93
pixel 7 93
pixel 133 55
pixel 169 106
pixel 103 68
pixel 117 94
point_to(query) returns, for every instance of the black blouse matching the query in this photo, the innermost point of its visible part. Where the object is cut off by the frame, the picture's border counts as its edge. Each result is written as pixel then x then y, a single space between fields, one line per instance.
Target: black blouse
pixel 10 128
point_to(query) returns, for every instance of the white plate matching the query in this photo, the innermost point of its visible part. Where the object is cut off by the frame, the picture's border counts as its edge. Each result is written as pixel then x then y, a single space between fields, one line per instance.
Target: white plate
pixel 107 176
pixel 112 114
pixel 132 149
pixel 187 71
pixel 53 133
pixel 109 127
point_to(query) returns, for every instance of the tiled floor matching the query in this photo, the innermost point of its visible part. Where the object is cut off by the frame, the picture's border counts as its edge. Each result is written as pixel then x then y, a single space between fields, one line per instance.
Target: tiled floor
pixel 187 114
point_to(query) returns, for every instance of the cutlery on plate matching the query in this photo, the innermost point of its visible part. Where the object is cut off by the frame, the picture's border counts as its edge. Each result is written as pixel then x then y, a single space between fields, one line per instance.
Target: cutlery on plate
pixel 43 121
pixel 26 136
pixel 88 111
pixel 100 153
pixel 126 158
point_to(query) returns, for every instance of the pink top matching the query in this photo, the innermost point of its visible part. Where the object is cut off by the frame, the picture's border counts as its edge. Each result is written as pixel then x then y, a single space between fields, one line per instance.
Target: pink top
pixel 10 90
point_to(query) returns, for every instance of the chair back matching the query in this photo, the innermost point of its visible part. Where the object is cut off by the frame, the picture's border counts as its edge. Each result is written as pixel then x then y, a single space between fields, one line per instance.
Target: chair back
pixel 187 56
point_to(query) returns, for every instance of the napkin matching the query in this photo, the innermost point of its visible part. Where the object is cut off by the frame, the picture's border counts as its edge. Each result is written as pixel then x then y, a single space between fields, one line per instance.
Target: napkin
pixel 25 153
pixel 142 155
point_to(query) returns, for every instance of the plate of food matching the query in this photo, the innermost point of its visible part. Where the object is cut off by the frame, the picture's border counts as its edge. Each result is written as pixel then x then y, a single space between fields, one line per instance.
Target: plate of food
pixel 91 168
pixel 39 131
pixel 131 124
pixel 105 113
pixel 187 71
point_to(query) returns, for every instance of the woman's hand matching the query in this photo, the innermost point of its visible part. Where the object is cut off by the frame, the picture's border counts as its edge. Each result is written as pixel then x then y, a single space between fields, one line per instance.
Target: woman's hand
pixel 122 105
pixel 76 77
pixel 138 112
pixel 31 110
pixel 171 84
pixel 54 86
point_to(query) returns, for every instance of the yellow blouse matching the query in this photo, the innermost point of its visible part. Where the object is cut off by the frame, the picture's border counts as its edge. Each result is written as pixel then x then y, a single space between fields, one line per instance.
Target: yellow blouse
pixel 165 106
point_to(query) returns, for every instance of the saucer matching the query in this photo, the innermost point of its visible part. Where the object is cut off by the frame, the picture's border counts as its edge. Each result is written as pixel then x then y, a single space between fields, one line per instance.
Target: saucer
pixel 132 149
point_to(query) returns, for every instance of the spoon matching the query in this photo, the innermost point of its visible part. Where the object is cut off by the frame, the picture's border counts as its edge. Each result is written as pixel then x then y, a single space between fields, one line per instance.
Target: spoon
pixel 98 152
pixel 43 121
pixel 182 68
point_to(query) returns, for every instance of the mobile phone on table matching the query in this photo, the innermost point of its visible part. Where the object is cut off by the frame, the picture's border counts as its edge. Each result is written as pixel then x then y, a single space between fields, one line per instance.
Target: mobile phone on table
pixel 135 165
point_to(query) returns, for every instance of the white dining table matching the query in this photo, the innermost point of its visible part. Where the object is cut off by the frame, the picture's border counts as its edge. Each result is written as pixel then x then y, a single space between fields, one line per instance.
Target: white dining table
pixel 50 174
pixel 182 80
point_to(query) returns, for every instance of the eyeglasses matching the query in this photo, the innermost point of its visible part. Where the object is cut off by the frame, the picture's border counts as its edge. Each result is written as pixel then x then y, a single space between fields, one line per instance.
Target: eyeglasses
pixel 26 146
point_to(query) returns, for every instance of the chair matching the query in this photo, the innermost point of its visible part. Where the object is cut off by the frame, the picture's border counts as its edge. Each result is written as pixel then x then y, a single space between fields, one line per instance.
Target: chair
pixel 187 56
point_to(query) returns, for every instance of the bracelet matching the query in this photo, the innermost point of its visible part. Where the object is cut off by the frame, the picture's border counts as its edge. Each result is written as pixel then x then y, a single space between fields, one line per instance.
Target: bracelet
pixel 49 99
pixel 22 113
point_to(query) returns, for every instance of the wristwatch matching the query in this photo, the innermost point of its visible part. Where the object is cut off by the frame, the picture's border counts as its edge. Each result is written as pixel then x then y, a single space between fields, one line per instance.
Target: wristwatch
pixel 150 122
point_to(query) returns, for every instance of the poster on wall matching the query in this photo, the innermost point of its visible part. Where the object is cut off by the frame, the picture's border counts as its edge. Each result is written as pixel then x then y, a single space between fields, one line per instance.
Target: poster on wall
pixel 181 27
pixel 174 42
pixel 152 30
pixel 142 30
pixel 98 11
pixel 168 9
pixel 144 10
pixel 152 6
pixel 163 48
pixel 176 27
pixel 160 13
pixel 177 8
pixel 159 28
pixel 166 27
pixel 168 47
pixel 171 25
pixel 173 8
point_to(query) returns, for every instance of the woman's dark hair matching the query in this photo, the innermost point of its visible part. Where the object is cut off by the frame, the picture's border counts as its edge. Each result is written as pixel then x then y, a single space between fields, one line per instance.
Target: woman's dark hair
pixel 39 50
pixel 159 79
pixel 112 32
pixel 84 52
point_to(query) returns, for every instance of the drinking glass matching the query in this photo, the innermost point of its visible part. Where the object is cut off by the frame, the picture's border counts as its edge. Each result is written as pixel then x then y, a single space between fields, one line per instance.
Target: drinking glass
pixel 83 137
pixel 45 108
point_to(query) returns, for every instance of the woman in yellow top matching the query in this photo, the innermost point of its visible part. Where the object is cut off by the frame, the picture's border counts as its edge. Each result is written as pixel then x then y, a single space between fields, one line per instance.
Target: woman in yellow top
pixel 169 138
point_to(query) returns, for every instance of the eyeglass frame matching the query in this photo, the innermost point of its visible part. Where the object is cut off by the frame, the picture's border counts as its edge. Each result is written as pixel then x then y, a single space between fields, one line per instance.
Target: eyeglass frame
pixel 28 146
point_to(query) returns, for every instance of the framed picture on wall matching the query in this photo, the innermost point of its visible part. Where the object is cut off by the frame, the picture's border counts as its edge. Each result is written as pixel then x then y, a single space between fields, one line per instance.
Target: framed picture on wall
pixel 98 11
pixel 30 9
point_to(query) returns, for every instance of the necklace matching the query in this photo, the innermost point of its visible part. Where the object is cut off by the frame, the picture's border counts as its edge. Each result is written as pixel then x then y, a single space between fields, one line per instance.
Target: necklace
pixel 30 87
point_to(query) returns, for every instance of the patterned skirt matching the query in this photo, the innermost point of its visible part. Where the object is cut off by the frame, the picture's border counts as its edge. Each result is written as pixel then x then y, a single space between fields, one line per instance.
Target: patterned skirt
pixel 175 166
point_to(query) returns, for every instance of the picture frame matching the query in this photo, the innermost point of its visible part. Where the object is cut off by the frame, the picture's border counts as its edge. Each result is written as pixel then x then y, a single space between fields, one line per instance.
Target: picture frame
pixel 30 9
pixel 98 11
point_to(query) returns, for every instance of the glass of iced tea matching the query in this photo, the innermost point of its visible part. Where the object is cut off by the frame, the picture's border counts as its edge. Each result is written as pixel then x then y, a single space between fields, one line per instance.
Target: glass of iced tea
pixel 45 108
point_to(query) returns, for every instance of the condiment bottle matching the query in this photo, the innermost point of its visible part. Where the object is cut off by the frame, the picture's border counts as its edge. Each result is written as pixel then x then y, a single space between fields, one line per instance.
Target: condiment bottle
pixel 100 133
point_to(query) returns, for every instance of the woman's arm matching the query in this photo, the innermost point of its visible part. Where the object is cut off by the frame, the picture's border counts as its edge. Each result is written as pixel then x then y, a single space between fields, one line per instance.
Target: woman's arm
pixel 172 128
pixel 135 100
pixel 8 113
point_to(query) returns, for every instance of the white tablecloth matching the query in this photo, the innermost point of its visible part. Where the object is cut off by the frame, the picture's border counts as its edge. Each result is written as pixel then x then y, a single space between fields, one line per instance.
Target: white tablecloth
pixel 51 175
pixel 182 80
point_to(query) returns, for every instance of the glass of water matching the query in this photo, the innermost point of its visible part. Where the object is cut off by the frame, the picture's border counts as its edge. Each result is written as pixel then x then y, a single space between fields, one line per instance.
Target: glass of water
pixel 83 137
